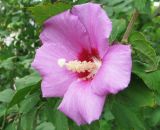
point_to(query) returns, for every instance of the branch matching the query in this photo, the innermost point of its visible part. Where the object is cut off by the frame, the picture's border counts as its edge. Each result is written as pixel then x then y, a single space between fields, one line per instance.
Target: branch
pixel 130 26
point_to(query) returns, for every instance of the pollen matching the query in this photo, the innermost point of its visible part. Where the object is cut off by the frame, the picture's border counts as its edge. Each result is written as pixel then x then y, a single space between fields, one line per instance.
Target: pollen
pixel 81 66
pixel 78 66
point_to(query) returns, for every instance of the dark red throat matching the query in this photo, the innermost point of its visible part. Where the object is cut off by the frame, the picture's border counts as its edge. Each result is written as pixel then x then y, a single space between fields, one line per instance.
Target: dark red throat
pixel 86 55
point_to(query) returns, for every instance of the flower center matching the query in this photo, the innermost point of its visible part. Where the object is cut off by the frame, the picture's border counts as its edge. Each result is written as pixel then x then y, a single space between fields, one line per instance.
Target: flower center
pixel 85 67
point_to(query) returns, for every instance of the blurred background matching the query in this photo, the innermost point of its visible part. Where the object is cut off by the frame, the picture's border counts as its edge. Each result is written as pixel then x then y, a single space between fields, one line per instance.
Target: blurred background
pixel 21 104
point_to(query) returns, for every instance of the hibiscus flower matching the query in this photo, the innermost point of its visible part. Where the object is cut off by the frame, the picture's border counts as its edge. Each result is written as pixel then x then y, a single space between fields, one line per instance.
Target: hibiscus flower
pixel 77 63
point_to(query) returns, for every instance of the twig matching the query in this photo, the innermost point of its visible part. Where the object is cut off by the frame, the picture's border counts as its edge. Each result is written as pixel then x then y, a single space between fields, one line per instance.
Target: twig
pixel 130 26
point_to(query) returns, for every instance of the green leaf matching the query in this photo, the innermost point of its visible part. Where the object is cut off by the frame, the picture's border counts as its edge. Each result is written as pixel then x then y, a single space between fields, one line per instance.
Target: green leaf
pixel 73 126
pixel 155 117
pixel 126 118
pixel 122 6
pixel 20 95
pixel 29 103
pixel 7 64
pixel 119 6
pixel 11 126
pixel 61 122
pixel 152 79
pixel 127 105
pixel 113 2
pixel 2 110
pixel 119 26
pixel 94 125
pixel 143 51
pixel 6 95
pixel 143 6
pixel 27 120
pixel 104 125
pixel 28 80
pixel 43 12
pixel 85 127
pixel 138 94
pixel 27 84
pixel 140 4
pixel 157 98
pixel 136 36
pixel 107 112
pixel 45 126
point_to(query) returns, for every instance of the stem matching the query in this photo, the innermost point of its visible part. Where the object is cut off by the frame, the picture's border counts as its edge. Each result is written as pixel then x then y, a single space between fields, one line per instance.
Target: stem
pixel 130 26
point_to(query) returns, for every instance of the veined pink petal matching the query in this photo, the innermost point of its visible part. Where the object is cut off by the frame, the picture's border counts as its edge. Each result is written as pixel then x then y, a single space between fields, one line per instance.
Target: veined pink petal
pixel 81 104
pixel 56 85
pixel 97 23
pixel 67 30
pixel 80 37
pixel 115 72
pixel 56 80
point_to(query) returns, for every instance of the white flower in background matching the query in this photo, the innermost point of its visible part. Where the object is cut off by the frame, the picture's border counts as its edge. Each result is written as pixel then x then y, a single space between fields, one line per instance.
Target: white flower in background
pixel 156 4
pixel 31 22
pixel 9 39
pixel 75 0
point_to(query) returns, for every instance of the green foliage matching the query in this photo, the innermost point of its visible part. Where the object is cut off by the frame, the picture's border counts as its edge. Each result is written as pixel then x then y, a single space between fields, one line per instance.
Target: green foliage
pixel 45 125
pixel 22 106
pixel 43 12
pixel 143 51
pixel 6 95
pixel 130 118
pixel 143 97
pixel 140 4
pixel 125 108
pixel 119 26
pixel 27 85
pixel 117 6
pixel 29 103
pixel 27 81
pixel 152 79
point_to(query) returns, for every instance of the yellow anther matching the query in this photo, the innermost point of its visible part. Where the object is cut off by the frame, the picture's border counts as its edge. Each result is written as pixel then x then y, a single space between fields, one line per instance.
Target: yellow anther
pixel 81 66
pixel 78 66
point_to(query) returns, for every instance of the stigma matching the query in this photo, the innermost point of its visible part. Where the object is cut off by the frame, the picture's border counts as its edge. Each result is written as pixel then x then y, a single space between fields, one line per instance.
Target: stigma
pixel 87 68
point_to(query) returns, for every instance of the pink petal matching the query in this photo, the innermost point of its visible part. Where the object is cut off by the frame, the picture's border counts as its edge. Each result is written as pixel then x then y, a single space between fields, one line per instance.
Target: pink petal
pixel 97 23
pixel 81 104
pixel 67 30
pixel 115 72
pixel 55 79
